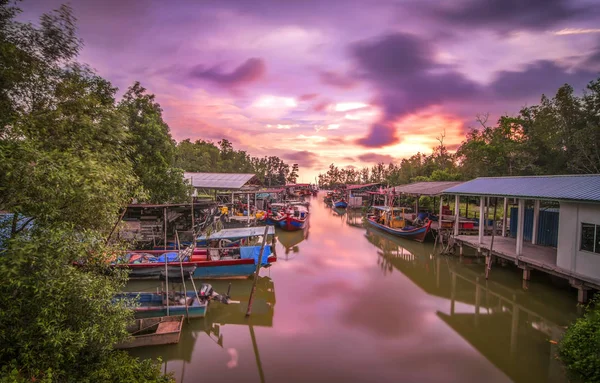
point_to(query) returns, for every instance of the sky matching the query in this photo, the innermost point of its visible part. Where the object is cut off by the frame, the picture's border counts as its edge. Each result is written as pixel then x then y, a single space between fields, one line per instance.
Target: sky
pixel 347 82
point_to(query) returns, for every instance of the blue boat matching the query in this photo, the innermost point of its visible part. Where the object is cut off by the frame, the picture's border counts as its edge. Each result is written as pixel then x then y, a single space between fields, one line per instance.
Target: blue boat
pixel 155 304
pixel 341 204
pixel 192 303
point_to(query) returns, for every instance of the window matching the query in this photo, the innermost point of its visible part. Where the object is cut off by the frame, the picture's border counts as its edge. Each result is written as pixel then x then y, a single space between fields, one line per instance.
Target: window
pixel 590 237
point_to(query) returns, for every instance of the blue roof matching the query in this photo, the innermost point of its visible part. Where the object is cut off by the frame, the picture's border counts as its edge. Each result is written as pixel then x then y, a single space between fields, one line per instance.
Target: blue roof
pixel 584 188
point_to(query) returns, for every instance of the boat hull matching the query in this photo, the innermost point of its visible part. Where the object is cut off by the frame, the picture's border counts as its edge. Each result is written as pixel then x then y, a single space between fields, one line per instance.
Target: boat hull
pixel 152 305
pixel 340 204
pixel 293 224
pixel 168 331
pixel 418 234
pixel 232 268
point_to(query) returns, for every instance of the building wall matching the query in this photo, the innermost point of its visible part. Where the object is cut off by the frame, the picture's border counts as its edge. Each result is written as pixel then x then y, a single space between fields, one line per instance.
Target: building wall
pixel 570 256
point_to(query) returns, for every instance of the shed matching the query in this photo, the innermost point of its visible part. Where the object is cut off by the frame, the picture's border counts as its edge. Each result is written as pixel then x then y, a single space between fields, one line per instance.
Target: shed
pixel 577 255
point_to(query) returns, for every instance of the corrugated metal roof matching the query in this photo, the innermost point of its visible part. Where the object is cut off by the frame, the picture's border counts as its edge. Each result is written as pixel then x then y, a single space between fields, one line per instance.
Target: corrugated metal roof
pixel 425 188
pixel 566 188
pixel 229 181
pixel 352 187
pixel 240 232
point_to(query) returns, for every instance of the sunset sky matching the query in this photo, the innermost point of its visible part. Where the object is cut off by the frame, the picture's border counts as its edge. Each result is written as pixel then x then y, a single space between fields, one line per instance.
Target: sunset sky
pixel 331 81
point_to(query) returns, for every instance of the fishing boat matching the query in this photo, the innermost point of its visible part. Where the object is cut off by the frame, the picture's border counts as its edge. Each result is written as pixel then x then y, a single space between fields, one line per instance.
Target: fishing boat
pixel 193 304
pixel 340 204
pixel 384 218
pixel 153 332
pixel 294 219
pixel 228 253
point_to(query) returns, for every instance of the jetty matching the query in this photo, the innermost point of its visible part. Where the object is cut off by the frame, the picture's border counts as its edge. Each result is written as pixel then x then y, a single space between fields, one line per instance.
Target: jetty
pixel 561 239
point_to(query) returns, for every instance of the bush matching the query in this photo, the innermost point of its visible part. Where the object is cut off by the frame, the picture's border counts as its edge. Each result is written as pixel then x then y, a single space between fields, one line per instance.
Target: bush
pixel 58 321
pixel 579 349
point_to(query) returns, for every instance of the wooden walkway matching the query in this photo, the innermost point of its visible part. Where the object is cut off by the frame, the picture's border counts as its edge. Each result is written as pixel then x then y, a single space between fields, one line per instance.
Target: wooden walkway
pixel 537 257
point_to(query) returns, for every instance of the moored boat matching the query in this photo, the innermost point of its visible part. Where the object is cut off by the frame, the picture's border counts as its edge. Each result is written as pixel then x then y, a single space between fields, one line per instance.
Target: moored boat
pixel 225 254
pixel 384 219
pixel 191 303
pixel 153 332
pixel 340 204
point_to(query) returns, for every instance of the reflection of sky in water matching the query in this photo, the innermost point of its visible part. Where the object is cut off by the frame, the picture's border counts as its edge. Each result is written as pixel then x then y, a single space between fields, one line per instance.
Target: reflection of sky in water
pixel 339 318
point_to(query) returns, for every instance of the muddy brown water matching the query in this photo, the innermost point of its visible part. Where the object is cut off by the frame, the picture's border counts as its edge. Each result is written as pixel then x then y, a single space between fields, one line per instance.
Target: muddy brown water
pixel 345 303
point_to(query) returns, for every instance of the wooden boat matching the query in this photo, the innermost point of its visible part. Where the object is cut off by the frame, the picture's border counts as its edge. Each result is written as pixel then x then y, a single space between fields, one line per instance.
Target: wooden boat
pixel 340 204
pixel 222 256
pixel 295 218
pixel 153 332
pixel 386 220
pixel 191 303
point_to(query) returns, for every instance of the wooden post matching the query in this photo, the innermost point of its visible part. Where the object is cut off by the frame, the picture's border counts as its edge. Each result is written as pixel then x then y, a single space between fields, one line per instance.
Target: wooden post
pixel 441 215
pixel 520 227
pixel 258 264
pixel 467 208
pixel 256 354
pixel 481 219
pixel 487 270
pixel 167 282
pixel 536 222
pixel 187 313
pixel 505 217
pixel 248 208
pixel 193 223
pixel 165 219
pixel 456 214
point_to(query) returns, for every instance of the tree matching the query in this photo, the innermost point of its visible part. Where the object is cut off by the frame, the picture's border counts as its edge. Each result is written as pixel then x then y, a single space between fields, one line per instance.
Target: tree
pixel 152 150
pixel 63 164
pixel 291 178
pixel 58 321
pixel 578 349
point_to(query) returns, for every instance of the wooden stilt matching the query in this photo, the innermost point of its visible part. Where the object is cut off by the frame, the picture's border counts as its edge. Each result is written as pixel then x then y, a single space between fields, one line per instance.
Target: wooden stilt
pixel 262 249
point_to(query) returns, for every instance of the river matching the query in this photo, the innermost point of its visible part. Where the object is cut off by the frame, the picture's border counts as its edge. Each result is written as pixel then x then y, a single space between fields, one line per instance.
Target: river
pixel 348 304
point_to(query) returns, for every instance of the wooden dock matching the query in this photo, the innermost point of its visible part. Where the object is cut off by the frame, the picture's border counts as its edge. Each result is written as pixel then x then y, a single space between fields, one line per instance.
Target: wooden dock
pixel 535 257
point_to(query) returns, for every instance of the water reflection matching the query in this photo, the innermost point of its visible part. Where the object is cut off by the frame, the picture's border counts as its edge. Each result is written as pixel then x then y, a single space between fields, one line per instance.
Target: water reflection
pixel 291 239
pixel 358 305
pixel 510 327
pixel 210 331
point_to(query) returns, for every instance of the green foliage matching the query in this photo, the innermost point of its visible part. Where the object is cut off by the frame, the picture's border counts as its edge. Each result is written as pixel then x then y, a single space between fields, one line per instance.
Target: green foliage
pixel 64 163
pixel 151 148
pixel 205 156
pixel 579 348
pixel 59 317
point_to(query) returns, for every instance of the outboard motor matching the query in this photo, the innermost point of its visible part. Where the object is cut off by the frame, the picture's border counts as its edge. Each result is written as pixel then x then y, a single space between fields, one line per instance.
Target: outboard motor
pixel 223 298
pixel 206 292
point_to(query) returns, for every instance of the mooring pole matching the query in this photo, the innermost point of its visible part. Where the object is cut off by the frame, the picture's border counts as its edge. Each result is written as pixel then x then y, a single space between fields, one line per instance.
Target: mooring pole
pixel 260 255
pixel 187 313
pixel 193 190
pixel 489 263
pixel 165 219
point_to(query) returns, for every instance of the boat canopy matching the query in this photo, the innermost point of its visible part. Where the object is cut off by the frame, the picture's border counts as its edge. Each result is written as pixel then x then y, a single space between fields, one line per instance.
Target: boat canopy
pixel 242 232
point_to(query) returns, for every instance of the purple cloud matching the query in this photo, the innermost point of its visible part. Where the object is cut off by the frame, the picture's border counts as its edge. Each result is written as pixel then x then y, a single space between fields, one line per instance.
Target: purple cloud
pixel 536 78
pixel 251 70
pixel 406 78
pixel 508 15
pixel 376 158
pixel 308 96
pixel 303 158
pixel 337 80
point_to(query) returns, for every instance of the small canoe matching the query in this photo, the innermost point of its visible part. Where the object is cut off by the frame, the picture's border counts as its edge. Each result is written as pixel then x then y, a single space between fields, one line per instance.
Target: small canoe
pixel 153 332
